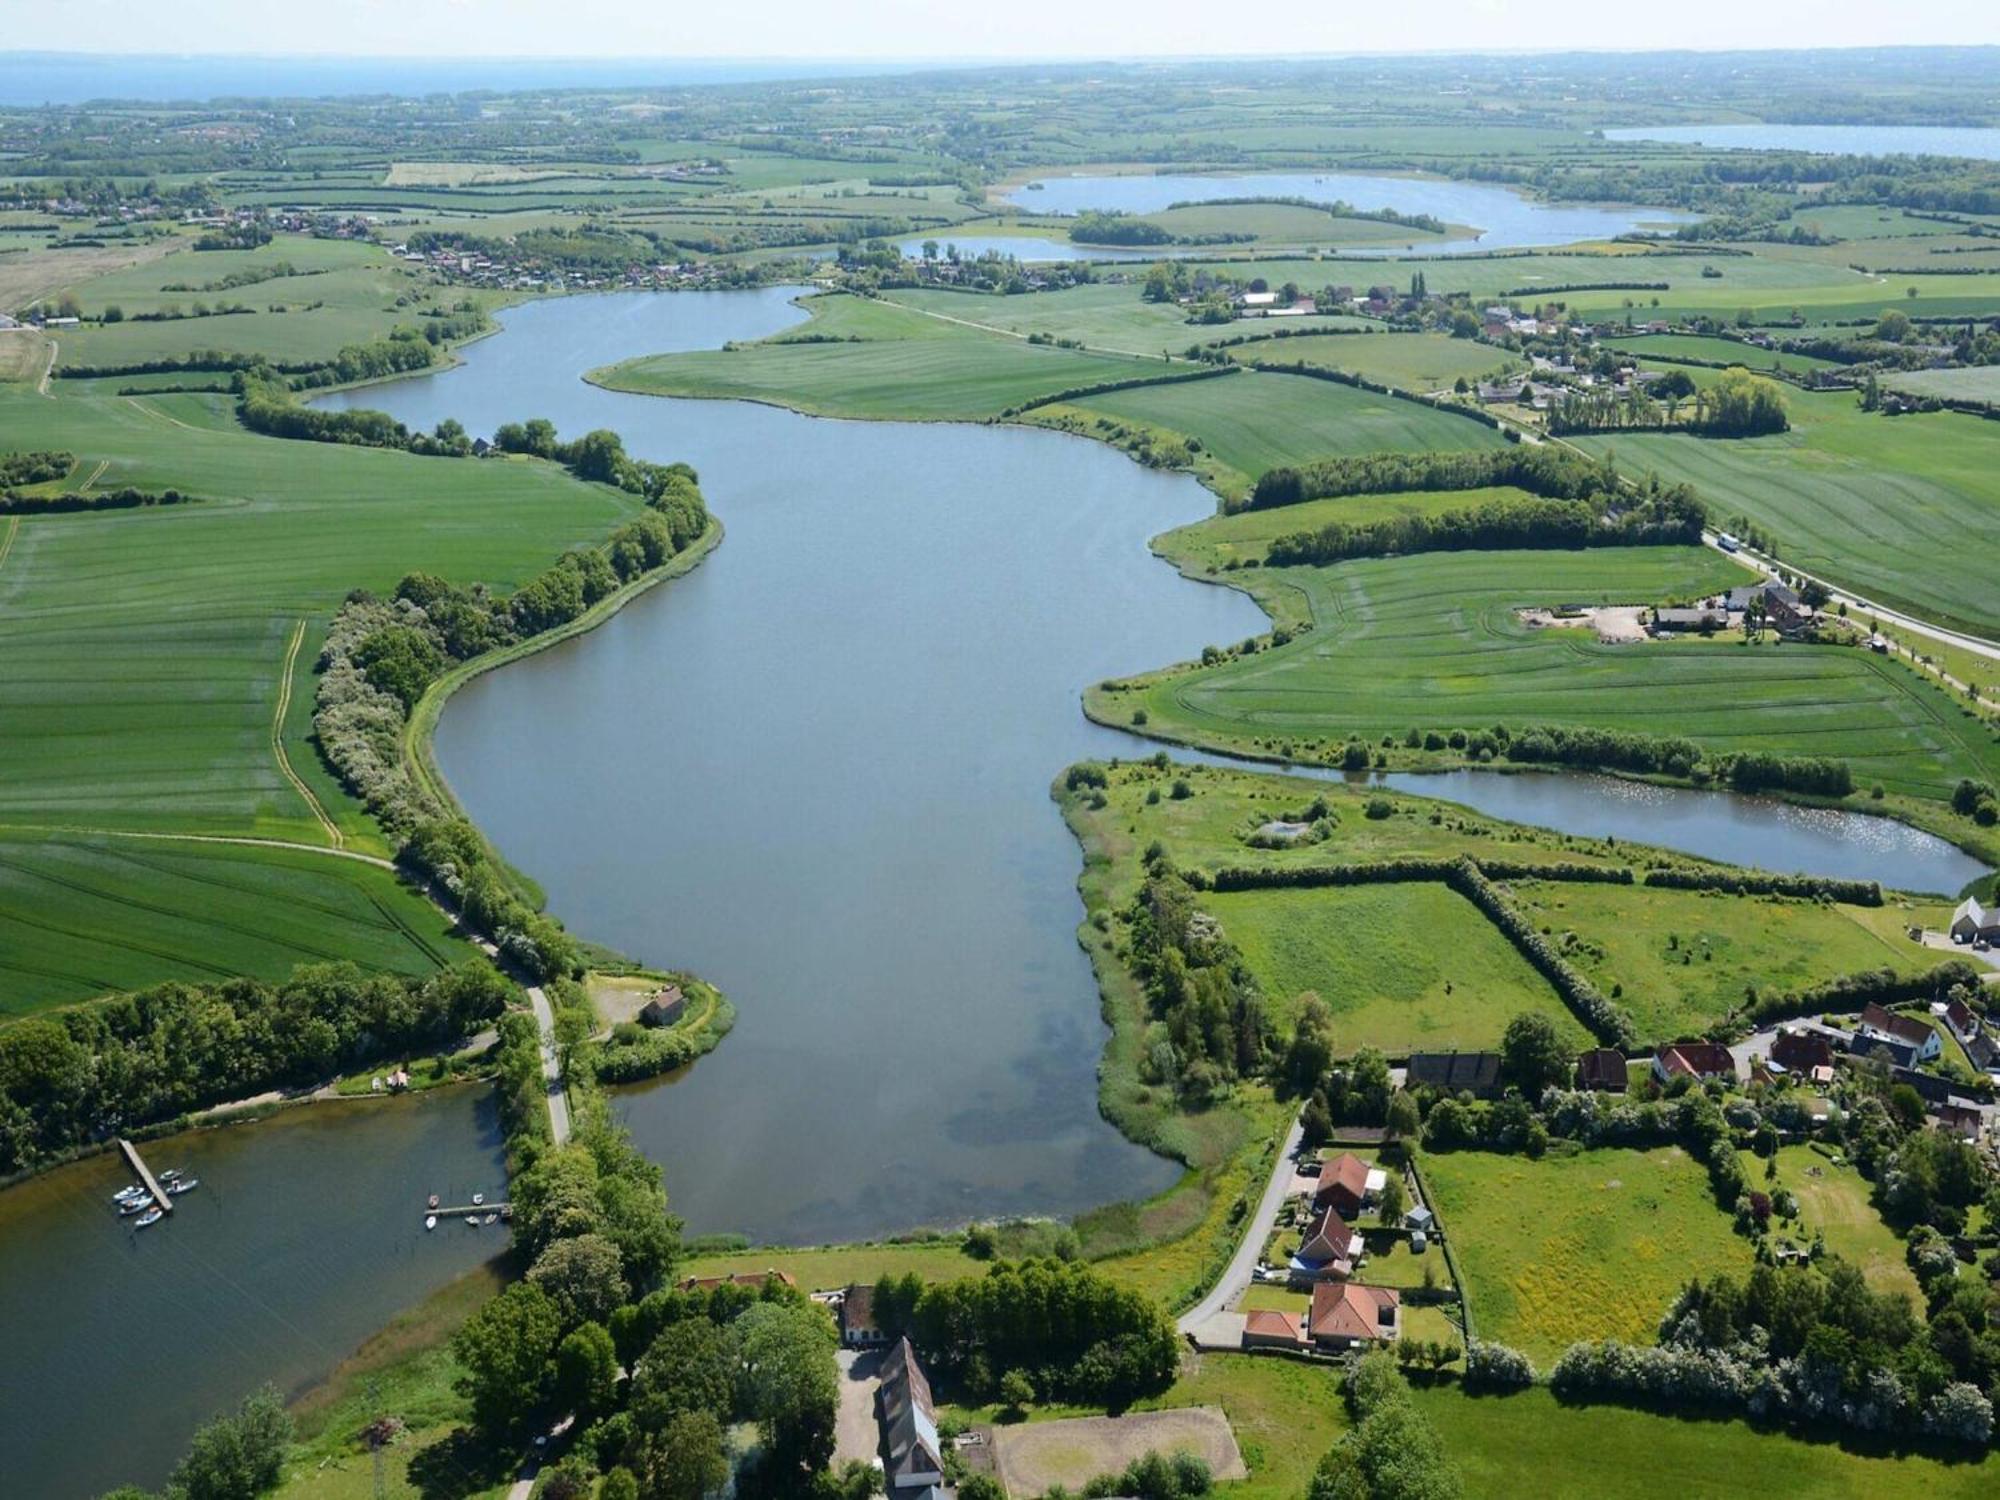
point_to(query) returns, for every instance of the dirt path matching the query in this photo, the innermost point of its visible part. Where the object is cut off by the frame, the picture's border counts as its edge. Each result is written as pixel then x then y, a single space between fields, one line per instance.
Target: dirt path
pixel 95 475
pixel 7 541
pixel 199 838
pixel 154 411
pixel 49 369
pixel 333 834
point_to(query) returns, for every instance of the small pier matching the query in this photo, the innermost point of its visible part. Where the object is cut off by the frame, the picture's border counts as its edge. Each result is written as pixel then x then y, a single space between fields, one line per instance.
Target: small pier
pixel 481 1210
pixel 144 1173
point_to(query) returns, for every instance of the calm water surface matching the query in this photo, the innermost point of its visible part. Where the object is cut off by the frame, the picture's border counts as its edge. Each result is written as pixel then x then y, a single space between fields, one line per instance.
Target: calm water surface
pixel 305 1236
pixel 816 772
pixel 1978 141
pixel 1505 220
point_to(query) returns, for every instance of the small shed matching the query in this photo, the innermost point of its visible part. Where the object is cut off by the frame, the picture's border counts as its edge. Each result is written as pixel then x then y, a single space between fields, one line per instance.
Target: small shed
pixel 664 1008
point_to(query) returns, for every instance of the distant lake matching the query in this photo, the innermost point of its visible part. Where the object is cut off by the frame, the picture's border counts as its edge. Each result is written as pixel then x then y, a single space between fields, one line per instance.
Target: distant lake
pixel 1505 220
pixel 1981 142
pixel 1025 247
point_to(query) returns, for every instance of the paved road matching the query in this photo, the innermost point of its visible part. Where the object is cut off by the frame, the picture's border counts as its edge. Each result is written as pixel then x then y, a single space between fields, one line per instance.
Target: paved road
pixel 545 1019
pixel 1237 1276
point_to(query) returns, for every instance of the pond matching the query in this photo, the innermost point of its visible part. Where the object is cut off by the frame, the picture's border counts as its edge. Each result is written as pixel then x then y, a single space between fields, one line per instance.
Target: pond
pixel 305 1236
pixel 816 772
pixel 1505 220
pixel 1981 142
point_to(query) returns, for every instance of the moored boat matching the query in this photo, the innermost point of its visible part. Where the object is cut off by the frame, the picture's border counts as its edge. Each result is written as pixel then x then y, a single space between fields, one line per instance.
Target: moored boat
pixel 127 1194
pixel 183 1185
pixel 430 1221
pixel 133 1206
pixel 434 1200
pixel 150 1217
pixel 477 1199
pixel 473 1220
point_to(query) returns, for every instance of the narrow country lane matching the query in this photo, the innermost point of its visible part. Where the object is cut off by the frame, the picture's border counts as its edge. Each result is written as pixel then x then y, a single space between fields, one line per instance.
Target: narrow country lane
pixel 1236 1276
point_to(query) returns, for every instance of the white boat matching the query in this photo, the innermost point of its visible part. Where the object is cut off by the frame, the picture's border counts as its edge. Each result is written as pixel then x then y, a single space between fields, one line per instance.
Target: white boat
pixel 473 1220
pixel 430 1221
pixel 133 1206
pixel 167 1176
pixel 493 1218
pixel 127 1194
pixel 477 1199
pixel 149 1217
pixel 183 1185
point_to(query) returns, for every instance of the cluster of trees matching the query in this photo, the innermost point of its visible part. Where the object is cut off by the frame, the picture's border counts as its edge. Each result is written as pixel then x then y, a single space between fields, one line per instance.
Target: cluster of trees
pixel 1392 1451
pixel 238 1455
pixel 1975 800
pixel 1763 883
pixel 599 457
pixel 1111 227
pixel 1047 1329
pixel 1155 1476
pixel 1613 749
pixel 77 1076
pixel 1813 1344
pixel 126 497
pixel 1661 517
pixel 1552 473
pixel 1850 992
pixel 1209 1023
pixel 1761 771
pixel 1606 1020
pixel 37 467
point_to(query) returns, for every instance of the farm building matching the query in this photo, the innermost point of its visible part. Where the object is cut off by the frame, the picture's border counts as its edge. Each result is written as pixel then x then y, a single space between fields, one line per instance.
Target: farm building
pixel 665 1008
pixel 913 1456
pixel 1351 1316
pixel 1697 1060
pixel 1602 1069
pixel 1476 1073
pixel 1973 923
pixel 858 1329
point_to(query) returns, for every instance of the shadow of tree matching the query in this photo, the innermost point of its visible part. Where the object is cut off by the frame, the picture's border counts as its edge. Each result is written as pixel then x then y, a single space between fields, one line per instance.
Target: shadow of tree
pixel 459 1465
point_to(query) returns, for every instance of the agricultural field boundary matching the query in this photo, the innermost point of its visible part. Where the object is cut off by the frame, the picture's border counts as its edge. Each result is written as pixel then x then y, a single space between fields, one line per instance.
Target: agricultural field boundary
pixel 333 834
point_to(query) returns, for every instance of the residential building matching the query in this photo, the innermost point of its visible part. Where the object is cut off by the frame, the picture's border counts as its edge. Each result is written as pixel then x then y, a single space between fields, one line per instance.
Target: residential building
pixel 858 1329
pixel 1602 1069
pixel 1697 1060
pixel 1959 1017
pixel 1797 1050
pixel 1985 1053
pixel 666 1007
pixel 1329 1251
pixel 1880 1024
pixel 1959 1116
pixel 1476 1073
pixel 1930 1088
pixel 912 1454
pixel 1265 1328
pixel 1343 1185
pixel 1348 1315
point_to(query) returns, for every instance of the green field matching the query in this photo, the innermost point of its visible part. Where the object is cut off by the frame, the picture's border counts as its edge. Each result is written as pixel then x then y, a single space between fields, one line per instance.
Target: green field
pixel 1434 641
pixel 1255 422
pixel 1882 505
pixel 1409 361
pixel 1402 967
pixel 1979 383
pixel 902 366
pixel 1687 346
pixel 1682 960
pixel 1107 317
pixel 1247 535
pixel 1585 1246
pixel 1835 1200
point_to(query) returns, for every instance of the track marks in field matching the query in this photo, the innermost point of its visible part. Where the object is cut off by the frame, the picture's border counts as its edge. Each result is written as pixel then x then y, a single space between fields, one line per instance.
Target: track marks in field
pixel 333 834
pixel 7 540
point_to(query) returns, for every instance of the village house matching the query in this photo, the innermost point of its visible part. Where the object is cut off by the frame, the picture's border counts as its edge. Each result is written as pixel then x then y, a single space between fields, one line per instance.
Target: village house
pixel 1878 1024
pixel 1266 1328
pixel 1784 611
pixel 1930 1088
pixel 1959 1017
pixel 912 1454
pixel 1806 1054
pixel 1985 1054
pixel 1347 1184
pixel 1329 1251
pixel 666 1006
pixel 1475 1073
pixel 1974 924
pixel 1697 1060
pixel 858 1329
pixel 1959 1117
pixel 1602 1069
pixel 1349 1315
pixel 1671 620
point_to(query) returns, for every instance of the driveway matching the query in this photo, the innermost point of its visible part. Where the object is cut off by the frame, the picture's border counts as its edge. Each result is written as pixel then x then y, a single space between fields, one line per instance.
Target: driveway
pixel 855 1434
pixel 1237 1275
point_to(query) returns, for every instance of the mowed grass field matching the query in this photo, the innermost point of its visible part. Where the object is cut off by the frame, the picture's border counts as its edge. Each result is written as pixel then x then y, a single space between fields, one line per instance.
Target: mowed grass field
pixel 1836 1201
pixel 1669 347
pixel 1108 317
pixel 1885 506
pixel 1586 1246
pixel 1978 383
pixel 1411 361
pixel 1402 967
pixel 901 365
pixel 1682 960
pixel 144 658
pixel 81 916
pixel 1247 535
pixel 1434 641
pixel 1255 421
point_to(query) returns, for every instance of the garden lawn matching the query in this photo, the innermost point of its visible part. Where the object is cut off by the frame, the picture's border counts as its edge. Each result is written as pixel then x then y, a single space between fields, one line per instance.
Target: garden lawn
pixel 1411 361
pixel 898 365
pixel 1407 967
pixel 1682 960
pixel 1884 506
pixel 1837 1202
pixel 1585 1246
pixel 1434 641
pixel 1613 1453
pixel 1258 421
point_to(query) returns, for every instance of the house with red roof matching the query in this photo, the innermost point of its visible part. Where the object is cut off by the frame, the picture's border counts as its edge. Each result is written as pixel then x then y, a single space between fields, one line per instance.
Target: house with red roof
pixel 1697 1060
pixel 1347 1315
pixel 1345 1185
pixel 1329 1251
pixel 1265 1328
pixel 1879 1024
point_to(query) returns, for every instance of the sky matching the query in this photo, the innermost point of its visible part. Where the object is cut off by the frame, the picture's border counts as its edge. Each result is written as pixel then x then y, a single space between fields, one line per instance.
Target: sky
pixel 953 30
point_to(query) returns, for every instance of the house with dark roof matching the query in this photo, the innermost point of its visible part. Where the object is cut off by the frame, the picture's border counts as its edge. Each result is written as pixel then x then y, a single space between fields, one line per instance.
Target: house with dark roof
pixel 1476 1073
pixel 1266 1328
pixel 666 1007
pixel 858 1329
pixel 1880 1024
pixel 1346 1184
pixel 1959 1016
pixel 912 1454
pixel 1900 1055
pixel 1959 1116
pixel 1348 1315
pixel 1985 1053
pixel 1930 1088
pixel 1602 1069
pixel 1800 1051
pixel 1697 1060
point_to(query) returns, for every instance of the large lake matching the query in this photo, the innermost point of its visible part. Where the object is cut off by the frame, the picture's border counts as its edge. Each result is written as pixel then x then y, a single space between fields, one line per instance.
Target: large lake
pixel 305 1237
pixel 1505 220
pixel 1978 141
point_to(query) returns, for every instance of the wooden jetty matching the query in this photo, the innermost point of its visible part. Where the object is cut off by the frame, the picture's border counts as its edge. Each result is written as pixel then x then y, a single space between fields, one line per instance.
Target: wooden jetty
pixel 505 1210
pixel 144 1173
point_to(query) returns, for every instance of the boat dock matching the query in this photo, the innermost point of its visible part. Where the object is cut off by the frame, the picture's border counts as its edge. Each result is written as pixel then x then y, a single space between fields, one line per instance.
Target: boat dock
pixel 505 1210
pixel 140 1170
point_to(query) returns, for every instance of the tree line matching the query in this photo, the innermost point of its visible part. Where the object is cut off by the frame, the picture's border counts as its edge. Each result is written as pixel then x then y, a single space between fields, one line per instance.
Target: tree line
pixel 1552 473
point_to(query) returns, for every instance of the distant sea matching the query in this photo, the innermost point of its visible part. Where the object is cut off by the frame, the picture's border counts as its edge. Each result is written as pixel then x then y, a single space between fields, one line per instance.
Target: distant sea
pixel 32 78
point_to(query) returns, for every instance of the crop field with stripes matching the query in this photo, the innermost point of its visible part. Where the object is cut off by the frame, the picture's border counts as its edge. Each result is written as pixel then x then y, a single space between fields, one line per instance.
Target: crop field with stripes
pixel 1434 641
